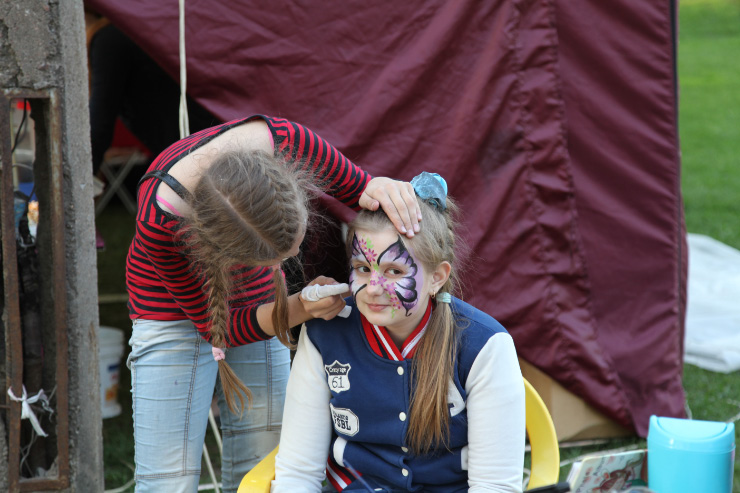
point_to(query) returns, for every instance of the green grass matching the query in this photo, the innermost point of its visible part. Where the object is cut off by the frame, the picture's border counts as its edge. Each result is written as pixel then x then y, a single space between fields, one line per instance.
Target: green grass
pixel 709 116
pixel 709 128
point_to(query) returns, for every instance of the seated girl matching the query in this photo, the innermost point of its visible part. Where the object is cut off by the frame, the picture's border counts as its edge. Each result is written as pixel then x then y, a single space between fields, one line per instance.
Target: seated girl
pixel 416 390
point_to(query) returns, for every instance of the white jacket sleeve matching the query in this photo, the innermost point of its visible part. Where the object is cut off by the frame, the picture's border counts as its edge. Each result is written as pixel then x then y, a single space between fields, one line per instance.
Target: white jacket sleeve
pixel 496 419
pixel 306 433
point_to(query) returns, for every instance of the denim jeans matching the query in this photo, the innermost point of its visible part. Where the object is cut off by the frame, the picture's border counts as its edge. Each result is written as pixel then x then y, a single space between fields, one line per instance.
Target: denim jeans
pixel 173 379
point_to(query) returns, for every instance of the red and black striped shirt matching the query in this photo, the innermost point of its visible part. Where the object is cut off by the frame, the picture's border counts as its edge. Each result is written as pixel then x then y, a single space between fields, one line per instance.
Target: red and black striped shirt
pixel 160 281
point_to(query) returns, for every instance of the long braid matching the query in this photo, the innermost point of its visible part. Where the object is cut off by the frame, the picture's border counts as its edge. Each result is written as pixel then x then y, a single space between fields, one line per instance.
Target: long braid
pixel 218 304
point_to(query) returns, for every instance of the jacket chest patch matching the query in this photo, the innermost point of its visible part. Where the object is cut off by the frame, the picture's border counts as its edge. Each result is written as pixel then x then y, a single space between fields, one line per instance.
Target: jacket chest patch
pixel 338 376
pixel 345 421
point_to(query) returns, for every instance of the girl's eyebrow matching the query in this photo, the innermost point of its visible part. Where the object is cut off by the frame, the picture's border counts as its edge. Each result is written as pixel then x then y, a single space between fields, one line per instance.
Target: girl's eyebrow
pixel 360 259
pixel 394 263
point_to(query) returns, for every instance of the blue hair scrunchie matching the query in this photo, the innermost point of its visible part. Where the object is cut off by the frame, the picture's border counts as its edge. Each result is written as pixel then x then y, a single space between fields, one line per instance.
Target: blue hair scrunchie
pixel 432 188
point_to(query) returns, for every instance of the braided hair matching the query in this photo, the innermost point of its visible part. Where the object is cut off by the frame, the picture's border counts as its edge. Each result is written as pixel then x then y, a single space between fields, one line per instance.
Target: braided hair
pixel 248 208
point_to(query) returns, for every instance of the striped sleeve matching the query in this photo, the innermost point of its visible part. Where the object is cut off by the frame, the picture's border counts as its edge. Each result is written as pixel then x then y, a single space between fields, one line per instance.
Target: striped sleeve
pixel 337 175
pixel 162 284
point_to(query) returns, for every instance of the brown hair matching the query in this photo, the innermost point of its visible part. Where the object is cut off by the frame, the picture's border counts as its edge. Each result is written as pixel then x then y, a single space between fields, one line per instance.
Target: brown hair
pixel 247 208
pixel 435 356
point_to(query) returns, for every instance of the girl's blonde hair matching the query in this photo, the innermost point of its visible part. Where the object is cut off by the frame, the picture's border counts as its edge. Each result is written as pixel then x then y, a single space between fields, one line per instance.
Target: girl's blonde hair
pixel 433 366
pixel 249 207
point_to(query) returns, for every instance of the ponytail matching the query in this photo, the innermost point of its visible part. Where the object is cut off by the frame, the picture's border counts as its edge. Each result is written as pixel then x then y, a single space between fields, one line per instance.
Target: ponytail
pixel 432 370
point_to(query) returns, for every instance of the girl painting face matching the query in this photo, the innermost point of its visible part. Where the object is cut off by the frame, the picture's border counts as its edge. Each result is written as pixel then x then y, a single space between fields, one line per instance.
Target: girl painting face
pixel 388 283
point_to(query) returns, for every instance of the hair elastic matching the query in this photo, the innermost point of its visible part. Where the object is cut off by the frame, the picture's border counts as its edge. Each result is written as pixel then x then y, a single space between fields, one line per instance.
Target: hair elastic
pixel 432 188
pixel 444 298
pixel 218 353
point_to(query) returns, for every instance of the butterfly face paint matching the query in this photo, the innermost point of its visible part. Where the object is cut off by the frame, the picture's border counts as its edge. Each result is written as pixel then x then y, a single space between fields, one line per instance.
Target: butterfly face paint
pixel 386 280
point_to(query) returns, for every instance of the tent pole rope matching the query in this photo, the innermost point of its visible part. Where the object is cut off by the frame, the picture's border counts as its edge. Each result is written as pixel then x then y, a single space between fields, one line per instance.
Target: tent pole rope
pixel 184 132
pixel 184 122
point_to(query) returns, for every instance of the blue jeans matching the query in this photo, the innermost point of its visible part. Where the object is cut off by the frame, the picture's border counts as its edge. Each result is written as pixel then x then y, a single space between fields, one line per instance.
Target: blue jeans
pixel 173 379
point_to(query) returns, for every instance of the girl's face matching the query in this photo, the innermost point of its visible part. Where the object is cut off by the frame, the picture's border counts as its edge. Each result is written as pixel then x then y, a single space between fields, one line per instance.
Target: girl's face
pixel 390 287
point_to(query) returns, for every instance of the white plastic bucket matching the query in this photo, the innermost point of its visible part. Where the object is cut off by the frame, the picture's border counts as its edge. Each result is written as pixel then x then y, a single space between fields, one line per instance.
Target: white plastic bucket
pixel 110 352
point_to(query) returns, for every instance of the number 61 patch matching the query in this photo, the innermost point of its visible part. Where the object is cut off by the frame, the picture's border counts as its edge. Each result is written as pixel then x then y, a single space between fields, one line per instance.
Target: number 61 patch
pixel 338 376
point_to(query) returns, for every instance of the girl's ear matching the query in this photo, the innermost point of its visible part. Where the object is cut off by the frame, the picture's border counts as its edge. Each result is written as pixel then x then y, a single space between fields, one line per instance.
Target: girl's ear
pixel 440 276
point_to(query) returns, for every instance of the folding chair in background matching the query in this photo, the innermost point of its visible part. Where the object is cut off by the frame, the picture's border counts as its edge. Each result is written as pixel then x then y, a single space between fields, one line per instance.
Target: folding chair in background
pixel 125 153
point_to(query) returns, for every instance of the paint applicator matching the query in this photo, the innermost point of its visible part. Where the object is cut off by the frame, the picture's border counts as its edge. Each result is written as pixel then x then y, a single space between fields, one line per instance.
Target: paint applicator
pixel 316 292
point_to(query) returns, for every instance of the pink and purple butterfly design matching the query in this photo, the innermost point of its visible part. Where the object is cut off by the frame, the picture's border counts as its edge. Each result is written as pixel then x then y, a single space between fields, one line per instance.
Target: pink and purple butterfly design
pixel 401 292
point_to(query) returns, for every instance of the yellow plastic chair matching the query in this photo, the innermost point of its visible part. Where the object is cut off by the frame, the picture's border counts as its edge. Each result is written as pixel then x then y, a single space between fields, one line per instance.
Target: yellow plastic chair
pixel 258 479
pixel 545 452
pixel 543 441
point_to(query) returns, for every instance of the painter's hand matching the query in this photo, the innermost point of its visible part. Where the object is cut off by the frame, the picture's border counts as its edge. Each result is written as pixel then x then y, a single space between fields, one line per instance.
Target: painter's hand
pixel 326 307
pixel 398 200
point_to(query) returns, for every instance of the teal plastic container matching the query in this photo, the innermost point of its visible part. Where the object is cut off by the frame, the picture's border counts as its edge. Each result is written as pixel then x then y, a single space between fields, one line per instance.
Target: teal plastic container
pixel 690 456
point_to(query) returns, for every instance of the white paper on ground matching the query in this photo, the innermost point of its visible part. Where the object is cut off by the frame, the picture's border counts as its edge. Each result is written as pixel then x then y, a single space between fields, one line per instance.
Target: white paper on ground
pixel 712 338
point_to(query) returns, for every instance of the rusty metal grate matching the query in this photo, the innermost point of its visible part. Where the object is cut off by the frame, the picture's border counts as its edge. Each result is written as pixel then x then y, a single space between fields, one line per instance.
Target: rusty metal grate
pixel 49 188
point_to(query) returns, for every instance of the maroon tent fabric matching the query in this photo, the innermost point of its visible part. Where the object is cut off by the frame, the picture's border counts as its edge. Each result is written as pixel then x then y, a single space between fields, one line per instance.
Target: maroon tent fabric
pixel 554 123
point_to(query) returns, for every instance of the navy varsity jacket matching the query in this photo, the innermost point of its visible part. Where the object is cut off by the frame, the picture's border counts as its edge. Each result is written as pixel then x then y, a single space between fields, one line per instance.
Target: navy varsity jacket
pixel 369 405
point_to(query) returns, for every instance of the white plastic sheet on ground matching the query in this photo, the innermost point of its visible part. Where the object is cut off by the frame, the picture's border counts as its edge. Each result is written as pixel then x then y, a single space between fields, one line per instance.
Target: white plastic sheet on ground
pixel 713 312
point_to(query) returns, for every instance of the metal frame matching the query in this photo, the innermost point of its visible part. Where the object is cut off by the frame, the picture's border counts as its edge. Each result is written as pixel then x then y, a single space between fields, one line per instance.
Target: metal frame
pixel 54 214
